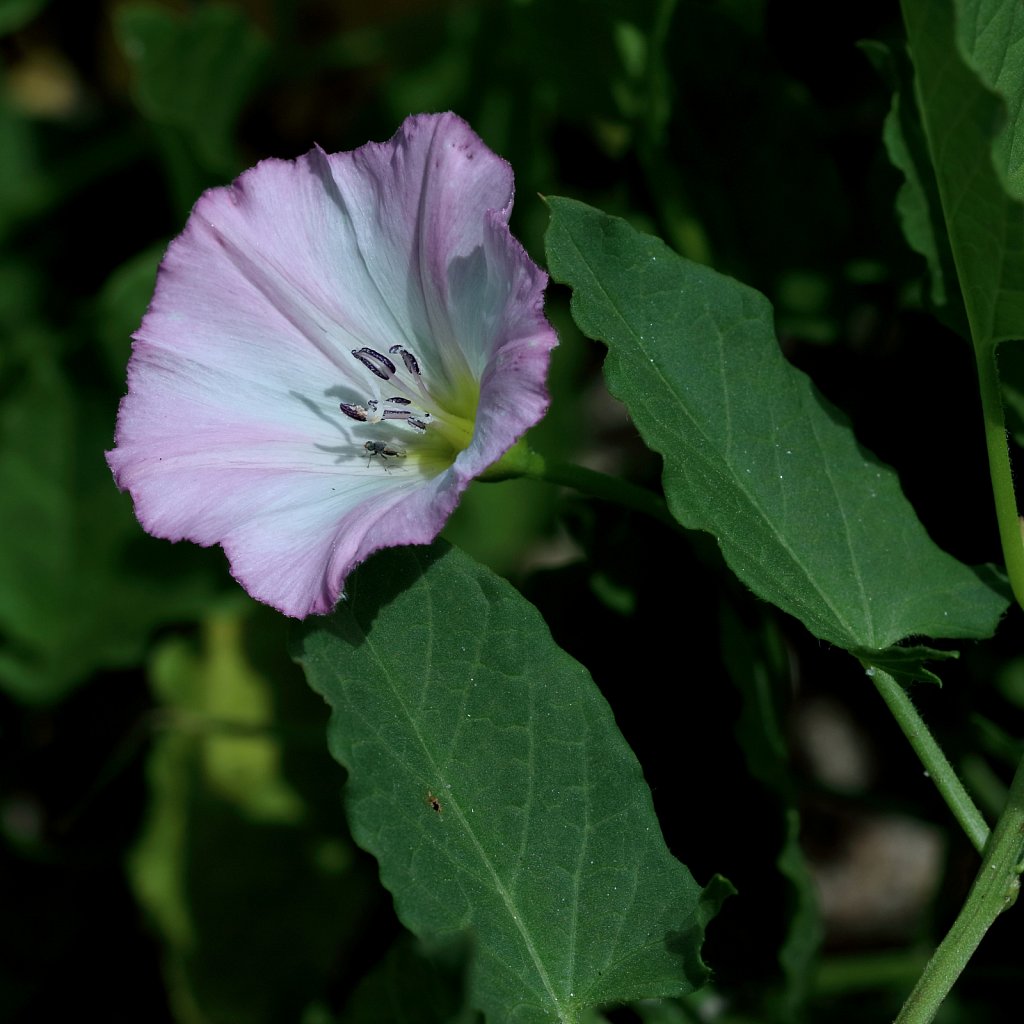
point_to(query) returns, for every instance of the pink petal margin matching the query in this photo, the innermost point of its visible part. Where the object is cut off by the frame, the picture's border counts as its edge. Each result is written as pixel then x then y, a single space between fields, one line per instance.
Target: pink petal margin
pixel 230 431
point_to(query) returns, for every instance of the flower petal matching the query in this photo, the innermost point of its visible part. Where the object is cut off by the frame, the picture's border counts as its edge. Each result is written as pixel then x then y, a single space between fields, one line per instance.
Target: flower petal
pixel 293 497
pixel 419 205
pixel 513 393
pixel 231 431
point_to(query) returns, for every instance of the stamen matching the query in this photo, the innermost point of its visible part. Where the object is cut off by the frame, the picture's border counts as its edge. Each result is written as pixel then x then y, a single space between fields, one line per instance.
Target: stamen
pixel 364 414
pixel 376 363
pixel 381 366
pixel 357 412
pixel 407 357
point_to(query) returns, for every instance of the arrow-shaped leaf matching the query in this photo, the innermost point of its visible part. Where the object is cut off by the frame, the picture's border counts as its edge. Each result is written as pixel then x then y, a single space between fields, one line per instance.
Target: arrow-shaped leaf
pixel 804 515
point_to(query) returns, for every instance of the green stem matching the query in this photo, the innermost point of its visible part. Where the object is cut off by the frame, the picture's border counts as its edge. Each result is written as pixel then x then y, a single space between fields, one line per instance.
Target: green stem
pixel 934 760
pixel 607 488
pixel 999 468
pixel 995 890
pixel 521 461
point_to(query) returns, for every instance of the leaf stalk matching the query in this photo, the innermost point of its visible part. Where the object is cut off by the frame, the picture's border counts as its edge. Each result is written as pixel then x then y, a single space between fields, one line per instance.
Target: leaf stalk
pixel 931 756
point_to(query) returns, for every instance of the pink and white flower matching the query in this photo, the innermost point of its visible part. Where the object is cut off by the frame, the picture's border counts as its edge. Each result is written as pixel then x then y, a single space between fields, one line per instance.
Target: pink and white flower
pixel 337 345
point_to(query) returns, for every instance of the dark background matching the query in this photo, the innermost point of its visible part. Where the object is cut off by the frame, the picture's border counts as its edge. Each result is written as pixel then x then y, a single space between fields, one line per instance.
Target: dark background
pixel 171 838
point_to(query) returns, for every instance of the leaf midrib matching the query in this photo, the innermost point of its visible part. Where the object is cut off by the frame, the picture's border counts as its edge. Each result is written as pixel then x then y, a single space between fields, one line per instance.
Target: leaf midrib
pixel 564 1015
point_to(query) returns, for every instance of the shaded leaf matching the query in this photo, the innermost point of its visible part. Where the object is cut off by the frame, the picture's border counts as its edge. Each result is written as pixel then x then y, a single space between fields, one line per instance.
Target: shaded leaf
pixel 488 777
pixel 194 74
pixel 410 986
pixel 917 203
pixel 754 455
pixel 120 306
pixel 81 586
pixel 613 67
pixel 15 14
pixel 990 35
pixel 962 120
pixel 23 182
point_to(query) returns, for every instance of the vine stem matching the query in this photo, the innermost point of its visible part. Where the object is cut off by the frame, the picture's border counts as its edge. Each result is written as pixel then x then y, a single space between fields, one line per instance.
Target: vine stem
pixel 996 886
pixel 522 461
pixel 999 467
pixel 994 890
pixel 934 760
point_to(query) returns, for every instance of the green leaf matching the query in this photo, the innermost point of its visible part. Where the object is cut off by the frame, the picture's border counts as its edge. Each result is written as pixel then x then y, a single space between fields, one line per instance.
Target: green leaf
pixel 487 776
pixel 409 986
pixel 990 35
pixel 962 121
pixel 121 303
pixel 16 14
pixel 194 74
pixel 905 664
pixel 81 586
pixel 614 66
pixel 753 454
pixel 23 178
pixel 917 203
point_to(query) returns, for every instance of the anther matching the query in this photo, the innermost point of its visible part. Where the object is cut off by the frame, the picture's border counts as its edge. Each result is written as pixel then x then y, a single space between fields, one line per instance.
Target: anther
pixel 407 357
pixel 376 363
pixel 357 412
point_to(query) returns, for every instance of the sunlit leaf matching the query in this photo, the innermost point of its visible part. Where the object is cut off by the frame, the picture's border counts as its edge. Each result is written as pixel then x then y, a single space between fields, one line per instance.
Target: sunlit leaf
pixel 253 885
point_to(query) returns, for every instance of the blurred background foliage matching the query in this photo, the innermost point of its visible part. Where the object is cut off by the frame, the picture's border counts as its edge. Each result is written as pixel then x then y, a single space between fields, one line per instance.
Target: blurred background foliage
pixel 171 835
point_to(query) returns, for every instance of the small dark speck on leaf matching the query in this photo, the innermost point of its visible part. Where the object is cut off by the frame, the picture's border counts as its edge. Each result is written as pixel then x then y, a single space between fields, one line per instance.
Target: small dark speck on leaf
pixel 433 802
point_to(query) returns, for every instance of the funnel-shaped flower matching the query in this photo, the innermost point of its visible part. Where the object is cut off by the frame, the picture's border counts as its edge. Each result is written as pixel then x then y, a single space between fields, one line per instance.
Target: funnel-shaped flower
pixel 336 346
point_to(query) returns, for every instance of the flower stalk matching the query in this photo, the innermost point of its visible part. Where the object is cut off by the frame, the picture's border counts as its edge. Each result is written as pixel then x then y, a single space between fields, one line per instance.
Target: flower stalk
pixel 523 461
